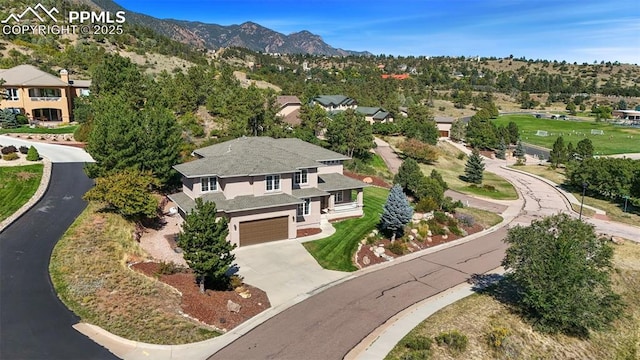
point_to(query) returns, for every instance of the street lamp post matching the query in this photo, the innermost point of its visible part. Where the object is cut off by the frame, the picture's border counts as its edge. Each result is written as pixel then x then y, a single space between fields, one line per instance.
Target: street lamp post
pixel 584 188
pixel 626 198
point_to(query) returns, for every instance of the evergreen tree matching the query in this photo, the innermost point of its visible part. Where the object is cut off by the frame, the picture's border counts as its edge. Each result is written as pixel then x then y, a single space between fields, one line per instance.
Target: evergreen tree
pixel 514 132
pixel 203 239
pixel 350 134
pixel 458 130
pixel 438 177
pixel 409 176
pixel 562 271
pixel 421 125
pixel 32 154
pixel 396 213
pixel 501 153
pixel 519 153
pixel 585 149
pixel 558 153
pixel 571 152
pixel 474 169
pixel 571 107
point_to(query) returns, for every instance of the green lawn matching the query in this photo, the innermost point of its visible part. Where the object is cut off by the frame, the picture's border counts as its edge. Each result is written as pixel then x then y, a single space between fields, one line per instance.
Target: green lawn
pixel 483 217
pixel 451 168
pixel 40 130
pixel 616 139
pixel 336 252
pixel 17 186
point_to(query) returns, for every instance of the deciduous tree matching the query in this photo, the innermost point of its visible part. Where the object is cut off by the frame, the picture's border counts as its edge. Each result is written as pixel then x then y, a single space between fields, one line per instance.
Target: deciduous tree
pixel 203 239
pixel 562 272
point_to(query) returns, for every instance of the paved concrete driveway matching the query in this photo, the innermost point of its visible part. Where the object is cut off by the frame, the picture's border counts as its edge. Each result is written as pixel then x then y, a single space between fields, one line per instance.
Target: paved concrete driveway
pixel 284 269
pixel 55 153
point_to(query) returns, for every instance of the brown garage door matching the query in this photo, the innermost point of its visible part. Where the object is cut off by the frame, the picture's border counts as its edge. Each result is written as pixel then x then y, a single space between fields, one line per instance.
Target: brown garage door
pixel 261 231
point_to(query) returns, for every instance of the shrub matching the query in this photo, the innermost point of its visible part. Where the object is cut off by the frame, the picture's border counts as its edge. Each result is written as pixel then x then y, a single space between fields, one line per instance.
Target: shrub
pixel 417 342
pixel 423 229
pixel 456 230
pixel 419 150
pixel 235 281
pixel 23 149
pixel 461 156
pixel 32 154
pixel 8 150
pixel 168 268
pixel 397 247
pixel 426 205
pixel 436 228
pixel 489 188
pixel 453 340
pixel 10 156
pixel 496 337
pixel 449 205
pixel 440 217
pixel 466 220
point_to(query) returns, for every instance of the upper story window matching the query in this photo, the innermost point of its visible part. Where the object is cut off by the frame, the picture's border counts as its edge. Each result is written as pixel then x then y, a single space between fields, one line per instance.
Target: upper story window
pixel 209 184
pixel 304 209
pixel 45 93
pixel 12 94
pixel 272 182
pixel 301 177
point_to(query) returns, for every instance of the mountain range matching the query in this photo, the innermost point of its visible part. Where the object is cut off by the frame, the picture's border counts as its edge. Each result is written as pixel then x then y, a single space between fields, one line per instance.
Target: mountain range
pixel 212 36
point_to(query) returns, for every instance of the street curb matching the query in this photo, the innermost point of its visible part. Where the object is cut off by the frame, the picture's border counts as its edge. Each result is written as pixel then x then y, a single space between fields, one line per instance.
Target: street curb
pixel 42 188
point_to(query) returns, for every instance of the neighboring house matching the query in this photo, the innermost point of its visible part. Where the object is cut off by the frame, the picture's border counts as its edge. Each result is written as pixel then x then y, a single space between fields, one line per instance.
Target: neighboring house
pixel 374 114
pixel 39 95
pixel 289 109
pixel 269 188
pixel 627 114
pixel 332 103
pixel 395 76
pixel 444 125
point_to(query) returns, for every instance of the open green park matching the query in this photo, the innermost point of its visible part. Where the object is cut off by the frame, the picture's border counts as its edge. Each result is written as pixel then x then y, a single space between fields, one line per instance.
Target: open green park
pixel 616 139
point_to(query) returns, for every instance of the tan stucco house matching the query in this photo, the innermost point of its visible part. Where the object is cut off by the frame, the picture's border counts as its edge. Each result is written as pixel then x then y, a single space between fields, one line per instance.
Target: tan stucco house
pixel 289 109
pixel 39 95
pixel 375 114
pixel 269 188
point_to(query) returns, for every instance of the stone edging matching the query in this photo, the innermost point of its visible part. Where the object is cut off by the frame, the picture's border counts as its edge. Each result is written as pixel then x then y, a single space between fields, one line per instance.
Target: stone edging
pixel 44 184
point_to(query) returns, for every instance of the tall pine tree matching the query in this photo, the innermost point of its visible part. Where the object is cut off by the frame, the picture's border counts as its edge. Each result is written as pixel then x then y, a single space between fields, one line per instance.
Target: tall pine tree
pixel 203 240
pixel 474 169
pixel 558 154
pixel 501 152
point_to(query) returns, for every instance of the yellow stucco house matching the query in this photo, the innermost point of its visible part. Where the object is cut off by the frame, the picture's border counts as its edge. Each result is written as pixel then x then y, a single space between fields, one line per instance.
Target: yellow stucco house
pixel 40 96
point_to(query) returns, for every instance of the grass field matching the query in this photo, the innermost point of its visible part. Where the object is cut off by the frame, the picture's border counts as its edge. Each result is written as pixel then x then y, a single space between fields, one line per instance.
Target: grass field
pixel 451 167
pixel 616 139
pixel 336 251
pixel 40 130
pixel 478 315
pixel 89 273
pixel 485 218
pixel 17 186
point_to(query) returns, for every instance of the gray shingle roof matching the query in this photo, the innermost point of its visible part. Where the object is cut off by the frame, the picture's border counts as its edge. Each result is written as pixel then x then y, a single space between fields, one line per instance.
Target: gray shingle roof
pixel 240 203
pixel 308 193
pixel 367 110
pixel 28 75
pixel 335 181
pixel 251 156
pixel 328 100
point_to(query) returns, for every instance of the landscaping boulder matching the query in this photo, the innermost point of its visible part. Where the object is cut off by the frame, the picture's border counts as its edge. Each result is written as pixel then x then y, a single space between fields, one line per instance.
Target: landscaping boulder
pixel 233 307
pixel 617 240
pixel 365 260
pixel 367 180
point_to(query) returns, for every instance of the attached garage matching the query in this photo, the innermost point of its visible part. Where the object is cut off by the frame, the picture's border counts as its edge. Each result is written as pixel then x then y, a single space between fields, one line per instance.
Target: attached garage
pixel 262 231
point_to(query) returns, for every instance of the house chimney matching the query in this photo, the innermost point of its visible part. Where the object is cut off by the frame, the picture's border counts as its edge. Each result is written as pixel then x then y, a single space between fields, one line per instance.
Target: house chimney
pixel 64 76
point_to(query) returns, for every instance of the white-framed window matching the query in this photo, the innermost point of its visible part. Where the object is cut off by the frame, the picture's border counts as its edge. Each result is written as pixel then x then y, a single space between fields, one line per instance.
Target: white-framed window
pixel 304 209
pixel 209 184
pixel 301 177
pixel 272 182
pixel 339 197
pixel 12 94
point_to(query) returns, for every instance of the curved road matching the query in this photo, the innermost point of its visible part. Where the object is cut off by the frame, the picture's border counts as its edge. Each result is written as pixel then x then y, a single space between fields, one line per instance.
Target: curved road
pixel 34 324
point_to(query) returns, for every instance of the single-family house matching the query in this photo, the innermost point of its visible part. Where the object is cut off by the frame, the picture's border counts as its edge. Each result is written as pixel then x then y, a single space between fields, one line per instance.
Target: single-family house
pixel 374 114
pixel 39 95
pixel 269 188
pixel 444 125
pixel 332 103
pixel 289 109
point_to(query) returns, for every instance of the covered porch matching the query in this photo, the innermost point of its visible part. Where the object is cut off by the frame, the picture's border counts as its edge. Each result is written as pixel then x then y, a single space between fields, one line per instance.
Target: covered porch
pixel 345 197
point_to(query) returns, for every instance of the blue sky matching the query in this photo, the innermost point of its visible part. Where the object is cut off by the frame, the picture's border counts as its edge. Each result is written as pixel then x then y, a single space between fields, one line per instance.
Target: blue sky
pixel 581 31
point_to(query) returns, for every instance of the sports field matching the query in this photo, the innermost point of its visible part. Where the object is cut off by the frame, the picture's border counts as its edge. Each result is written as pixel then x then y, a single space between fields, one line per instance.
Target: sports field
pixel 615 140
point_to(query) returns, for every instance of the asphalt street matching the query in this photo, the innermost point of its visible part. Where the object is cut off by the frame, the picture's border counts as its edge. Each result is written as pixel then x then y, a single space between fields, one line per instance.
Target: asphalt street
pixel 328 325
pixel 34 324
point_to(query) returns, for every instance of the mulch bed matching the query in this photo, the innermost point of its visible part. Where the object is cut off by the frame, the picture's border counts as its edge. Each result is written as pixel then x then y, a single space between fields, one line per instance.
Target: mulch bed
pixel 308 232
pixel 415 245
pixel 375 180
pixel 210 307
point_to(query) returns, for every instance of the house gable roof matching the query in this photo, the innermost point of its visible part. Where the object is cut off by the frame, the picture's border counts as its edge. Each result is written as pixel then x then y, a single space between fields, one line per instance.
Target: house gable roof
pixel 334 100
pixel 287 100
pixel 376 113
pixel 28 75
pixel 250 156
